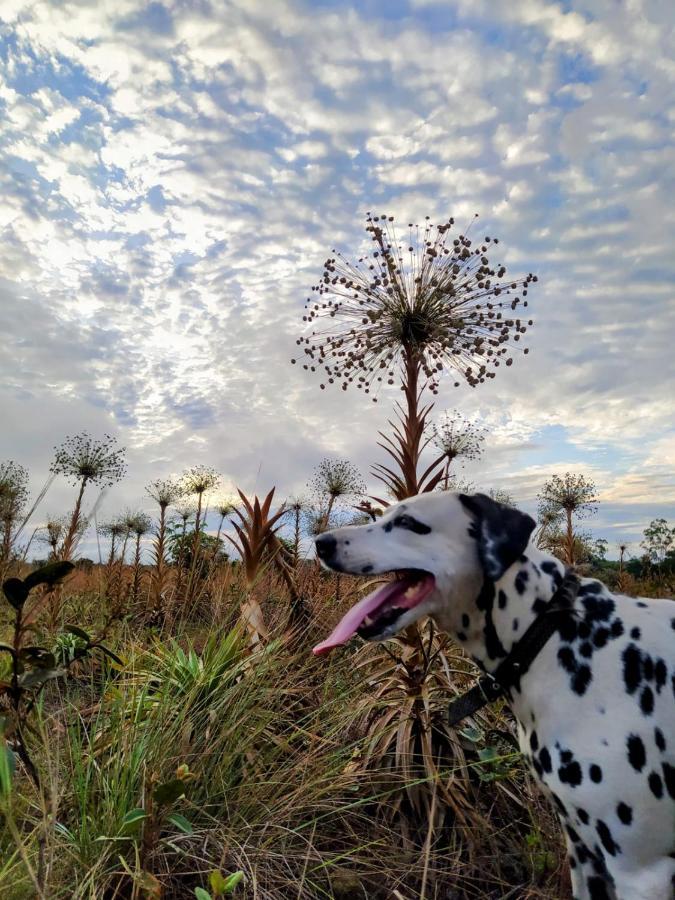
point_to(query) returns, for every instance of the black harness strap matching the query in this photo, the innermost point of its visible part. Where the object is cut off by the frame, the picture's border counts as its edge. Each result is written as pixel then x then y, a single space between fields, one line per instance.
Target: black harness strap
pixel 522 655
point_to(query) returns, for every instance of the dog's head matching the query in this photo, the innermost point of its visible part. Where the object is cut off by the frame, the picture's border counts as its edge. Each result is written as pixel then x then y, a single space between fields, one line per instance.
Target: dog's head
pixel 440 545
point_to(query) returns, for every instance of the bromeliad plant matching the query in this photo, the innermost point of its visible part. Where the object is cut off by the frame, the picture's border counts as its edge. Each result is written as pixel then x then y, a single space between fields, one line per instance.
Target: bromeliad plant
pixel 31 667
pixel 257 544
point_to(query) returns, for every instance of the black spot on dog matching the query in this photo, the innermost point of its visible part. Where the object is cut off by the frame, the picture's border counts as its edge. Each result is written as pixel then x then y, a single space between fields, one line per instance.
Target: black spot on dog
pixel 632 668
pixel 669 778
pixel 573 836
pixel 545 760
pixel 552 569
pixel 597 888
pixel 501 599
pixel 583 816
pixel 534 742
pixel 642 604
pixel 647 701
pixel 655 784
pixel 596 773
pixel 660 674
pixel 586 649
pixel 600 637
pixel 635 633
pixel 521 581
pixel 625 813
pixel 539 606
pixel 461 636
pixel 672 623
pixel 466 621
pixel 388 527
pixel 595 587
pixel 366 569
pixel 571 774
pixel 485 603
pixel 636 752
pixel 606 838
pixel 515 625
pixel 659 739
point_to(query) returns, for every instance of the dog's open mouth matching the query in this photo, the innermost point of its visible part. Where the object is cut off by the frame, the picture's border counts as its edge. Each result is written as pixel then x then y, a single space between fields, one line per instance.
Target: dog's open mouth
pixel 375 617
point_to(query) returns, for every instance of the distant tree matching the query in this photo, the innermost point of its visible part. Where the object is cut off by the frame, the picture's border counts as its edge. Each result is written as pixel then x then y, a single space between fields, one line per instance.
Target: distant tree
pixel 658 541
pixel 13 496
pixel 569 496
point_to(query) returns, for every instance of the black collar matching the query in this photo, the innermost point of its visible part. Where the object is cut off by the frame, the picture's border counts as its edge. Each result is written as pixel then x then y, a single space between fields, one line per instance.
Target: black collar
pixel 522 655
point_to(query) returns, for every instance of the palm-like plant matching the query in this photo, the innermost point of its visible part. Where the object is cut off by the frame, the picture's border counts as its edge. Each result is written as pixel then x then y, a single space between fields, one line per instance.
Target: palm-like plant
pixel 85 460
pixel 165 492
pixel 139 526
pixel 567 496
pixel 417 307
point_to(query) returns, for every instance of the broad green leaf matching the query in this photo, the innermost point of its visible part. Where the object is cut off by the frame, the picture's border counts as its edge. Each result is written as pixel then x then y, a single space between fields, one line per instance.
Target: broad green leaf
pixel 218 883
pixel 180 822
pixel 49 574
pixel 232 881
pixel 169 791
pixel 78 632
pixel 16 592
pixel 133 818
pixel 201 894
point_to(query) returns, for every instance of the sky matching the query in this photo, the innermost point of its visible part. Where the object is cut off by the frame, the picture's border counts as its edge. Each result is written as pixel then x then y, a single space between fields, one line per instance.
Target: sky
pixel 173 176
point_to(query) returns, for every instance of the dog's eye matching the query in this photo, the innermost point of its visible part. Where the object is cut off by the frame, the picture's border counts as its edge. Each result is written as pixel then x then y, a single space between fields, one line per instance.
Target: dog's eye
pixel 411 524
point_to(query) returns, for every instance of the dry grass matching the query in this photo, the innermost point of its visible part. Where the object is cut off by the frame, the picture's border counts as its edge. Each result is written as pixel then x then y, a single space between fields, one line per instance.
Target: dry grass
pixel 315 779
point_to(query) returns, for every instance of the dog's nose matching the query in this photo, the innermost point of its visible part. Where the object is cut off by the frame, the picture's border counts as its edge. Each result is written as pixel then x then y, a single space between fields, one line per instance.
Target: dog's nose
pixel 325 546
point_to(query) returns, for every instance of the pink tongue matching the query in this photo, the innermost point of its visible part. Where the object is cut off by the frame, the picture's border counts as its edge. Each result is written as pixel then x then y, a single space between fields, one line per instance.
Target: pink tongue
pixel 349 623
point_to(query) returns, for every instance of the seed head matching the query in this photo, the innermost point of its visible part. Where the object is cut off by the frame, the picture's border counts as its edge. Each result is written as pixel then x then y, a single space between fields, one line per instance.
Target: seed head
pixel 436 297
pixel 82 458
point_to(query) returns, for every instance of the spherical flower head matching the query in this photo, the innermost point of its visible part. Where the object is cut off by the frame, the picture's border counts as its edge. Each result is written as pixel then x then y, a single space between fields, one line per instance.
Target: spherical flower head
pixel 165 491
pixel 432 296
pixel 185 510
pixel 337 478
pixel 141 524
pixel 114 529
pixel 457 436
pixel 200 479
pixel 568 493
pixel 82 458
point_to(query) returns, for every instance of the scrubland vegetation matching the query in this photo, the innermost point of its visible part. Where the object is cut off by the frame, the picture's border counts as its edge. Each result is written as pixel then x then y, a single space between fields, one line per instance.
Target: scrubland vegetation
pixel 165 730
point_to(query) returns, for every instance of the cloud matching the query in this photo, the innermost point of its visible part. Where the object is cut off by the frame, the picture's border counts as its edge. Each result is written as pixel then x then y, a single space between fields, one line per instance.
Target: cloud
pixel 175 175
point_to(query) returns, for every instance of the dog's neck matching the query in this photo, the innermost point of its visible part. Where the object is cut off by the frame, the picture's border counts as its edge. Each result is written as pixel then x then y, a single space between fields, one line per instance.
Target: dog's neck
pixel 489 625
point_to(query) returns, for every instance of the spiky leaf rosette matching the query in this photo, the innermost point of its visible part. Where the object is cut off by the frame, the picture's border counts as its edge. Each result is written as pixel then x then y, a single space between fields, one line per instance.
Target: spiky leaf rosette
pixel 436 296
pixel 83 458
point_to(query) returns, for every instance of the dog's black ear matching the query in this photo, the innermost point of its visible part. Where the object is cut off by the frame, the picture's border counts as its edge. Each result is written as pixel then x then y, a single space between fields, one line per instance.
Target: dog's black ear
pixel 501 532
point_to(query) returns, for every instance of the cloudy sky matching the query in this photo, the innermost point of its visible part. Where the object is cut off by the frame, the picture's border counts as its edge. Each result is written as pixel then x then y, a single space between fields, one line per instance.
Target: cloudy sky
pixel 174 174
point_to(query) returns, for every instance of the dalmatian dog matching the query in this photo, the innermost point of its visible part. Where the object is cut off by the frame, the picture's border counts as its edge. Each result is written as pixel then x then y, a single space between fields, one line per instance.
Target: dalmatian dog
pixel 596 707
